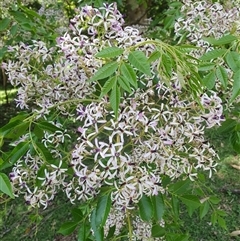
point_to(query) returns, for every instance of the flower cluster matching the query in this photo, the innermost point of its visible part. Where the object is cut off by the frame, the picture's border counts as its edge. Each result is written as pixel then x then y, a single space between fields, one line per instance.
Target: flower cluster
pixel 201 19
pixel 205 19
pixel 159 130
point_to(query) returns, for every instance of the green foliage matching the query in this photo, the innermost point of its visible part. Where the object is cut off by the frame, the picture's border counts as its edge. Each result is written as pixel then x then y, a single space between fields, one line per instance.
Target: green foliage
pixel 139 61
pixel 5 185
pixel 145 208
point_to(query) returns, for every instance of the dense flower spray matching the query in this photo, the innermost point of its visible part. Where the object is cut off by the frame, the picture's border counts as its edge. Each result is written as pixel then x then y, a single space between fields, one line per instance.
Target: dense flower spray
pixel 158 130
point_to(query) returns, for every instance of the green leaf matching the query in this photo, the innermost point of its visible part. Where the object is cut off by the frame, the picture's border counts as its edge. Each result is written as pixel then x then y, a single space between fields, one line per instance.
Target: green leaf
pixel 158 231
pixel 213 54
pixel 30 13
pixel 214 200
pixel 45 153
pixel 236 86
pixel 5 185
pixel 38 132
pixel 154 56
pixel 20 17
pixel 28 27
pixel 124 84
pixel 209 80
pixel 233 60
pixel 4 23
pixel 227 126
pixel 169 21
pixel 180 187
pixel 214 218
pixel 145 208
pixel 158 207
pixel 204 208
pixel 15 125
pixel 14 130
pixel 102 210
pixel 8 127
pixel 77 214
pixel 110 52
pixel 221 222
pixel 115 99
pixel 221 212
pixel 235 141
pixel 222 75
pixel 175 206
pixel 223 40
pixel 68 228
pixel 105 71
pixel 108 85
pixel 3 51
pixel 129 74
pixel 190 200
pixel 82 233
pixel 111 232
pixel 206 66
pixel 15 154
pixel 167 65
pixel 98 232
pixel 14 29
pixel 47 126
pixel 140 62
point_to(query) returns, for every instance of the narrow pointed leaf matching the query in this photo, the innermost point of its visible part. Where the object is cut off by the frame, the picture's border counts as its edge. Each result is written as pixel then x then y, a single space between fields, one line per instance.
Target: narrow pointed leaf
pixel 167 65
pixel 214 200
pixel 227 126
pixel 124 84
pixel 204 208
pixel 68 228
pixel 145 208
pixel 14 129
pixel 140 62
pixel 158 207
pixel 77 214
pixel 158 231
pixel 129 74
pixel 233 60
pixel 9 126
pixel 154 56
pixel 108 85
pixel 105 71
pixel 206 66
pixel 213 54
pixel 209 80
pixel 83 231
pixel 20 17
pixel 190 200
pixel 5 185
pixel 45 153
pixel 110 52
pixel 236 85
pixel 223 40
pixel 222 75
pixel 47 126
pixel 115 99
pixel 175 206
pixel 222 222
pixel 102 210
pixel 4 23
pixel 18 151
pixel 180 187
pixel 98 232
